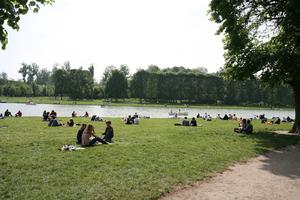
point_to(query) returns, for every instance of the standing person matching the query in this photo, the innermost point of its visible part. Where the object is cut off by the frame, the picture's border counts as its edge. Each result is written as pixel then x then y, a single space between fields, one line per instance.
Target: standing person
pixel 87 134
pixel 109 132
pixel 80 132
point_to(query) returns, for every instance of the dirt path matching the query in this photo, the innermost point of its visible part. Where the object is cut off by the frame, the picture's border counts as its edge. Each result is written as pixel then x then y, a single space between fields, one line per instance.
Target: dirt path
pixel 273 176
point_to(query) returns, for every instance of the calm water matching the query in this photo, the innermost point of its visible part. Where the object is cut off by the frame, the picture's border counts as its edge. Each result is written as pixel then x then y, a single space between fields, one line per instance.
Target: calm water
pixel 153 112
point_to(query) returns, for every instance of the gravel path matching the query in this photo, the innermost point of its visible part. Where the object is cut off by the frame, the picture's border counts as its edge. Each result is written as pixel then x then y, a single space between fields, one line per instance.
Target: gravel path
pixel 274 176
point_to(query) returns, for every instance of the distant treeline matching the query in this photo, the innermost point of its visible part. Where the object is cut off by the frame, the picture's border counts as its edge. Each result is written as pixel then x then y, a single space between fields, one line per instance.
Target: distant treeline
pixel 170 85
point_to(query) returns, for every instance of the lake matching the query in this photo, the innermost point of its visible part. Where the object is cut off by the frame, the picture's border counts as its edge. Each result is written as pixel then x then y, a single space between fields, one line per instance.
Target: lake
pixel 153 112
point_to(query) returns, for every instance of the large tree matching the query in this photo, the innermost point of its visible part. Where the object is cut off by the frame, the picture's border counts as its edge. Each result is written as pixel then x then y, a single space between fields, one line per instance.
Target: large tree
pixel 10 12
pixel 262 40
pixel 116 85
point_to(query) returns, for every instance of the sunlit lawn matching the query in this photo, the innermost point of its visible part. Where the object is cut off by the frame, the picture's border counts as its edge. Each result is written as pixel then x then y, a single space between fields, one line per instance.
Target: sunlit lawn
pixel 144 162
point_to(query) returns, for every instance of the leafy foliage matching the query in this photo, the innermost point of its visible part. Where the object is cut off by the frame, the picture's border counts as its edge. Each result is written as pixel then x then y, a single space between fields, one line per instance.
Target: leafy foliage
pixel 262 39
pixel 11 11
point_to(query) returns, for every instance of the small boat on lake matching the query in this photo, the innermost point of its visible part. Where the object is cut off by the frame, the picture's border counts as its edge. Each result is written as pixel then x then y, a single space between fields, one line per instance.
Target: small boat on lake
pixel 179 113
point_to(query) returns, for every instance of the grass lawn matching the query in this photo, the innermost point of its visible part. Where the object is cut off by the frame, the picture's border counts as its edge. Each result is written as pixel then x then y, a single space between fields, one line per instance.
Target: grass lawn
pixel 125 102
pixel 144 162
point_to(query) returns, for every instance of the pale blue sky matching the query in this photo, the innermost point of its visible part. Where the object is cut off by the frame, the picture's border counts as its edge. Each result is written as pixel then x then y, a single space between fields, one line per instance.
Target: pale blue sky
pixel 113 32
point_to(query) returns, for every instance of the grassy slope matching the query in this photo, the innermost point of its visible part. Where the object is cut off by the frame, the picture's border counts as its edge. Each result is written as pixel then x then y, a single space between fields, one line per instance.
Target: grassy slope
pixel 144 162
pixel 126 102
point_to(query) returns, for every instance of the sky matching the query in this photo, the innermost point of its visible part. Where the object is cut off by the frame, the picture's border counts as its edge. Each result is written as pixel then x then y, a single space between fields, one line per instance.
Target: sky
pixel 137 33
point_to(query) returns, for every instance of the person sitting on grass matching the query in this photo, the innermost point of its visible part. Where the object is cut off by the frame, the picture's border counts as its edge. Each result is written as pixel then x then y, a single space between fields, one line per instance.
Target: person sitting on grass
pixel 7 113
pixel 245 127
pixel 136 121
pixel 225 117
pixel 86 114
pixel 109 132
pixel 79 133
pixel 1 116
pixel 185 122
pixel 18 114
pixel 129 120
pixel 45 115
pixel 277 120
pixel 89 137
pixel 54 122
pixel 53 114
pixel 70 123
pixel 193 122
pixel 241 127
pixel 249 127
pixel 74 114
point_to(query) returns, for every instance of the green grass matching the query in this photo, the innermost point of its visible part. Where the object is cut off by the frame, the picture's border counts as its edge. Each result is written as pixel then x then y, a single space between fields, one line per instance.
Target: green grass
pixel 144 162
pixel 125 102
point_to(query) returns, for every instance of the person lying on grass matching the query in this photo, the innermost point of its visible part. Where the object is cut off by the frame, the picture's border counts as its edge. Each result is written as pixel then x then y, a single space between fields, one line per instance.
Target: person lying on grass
pixel 89 137
pixel 109 132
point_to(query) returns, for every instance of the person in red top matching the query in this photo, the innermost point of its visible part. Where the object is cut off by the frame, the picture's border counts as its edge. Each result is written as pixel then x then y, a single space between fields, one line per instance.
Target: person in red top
pixel 19 114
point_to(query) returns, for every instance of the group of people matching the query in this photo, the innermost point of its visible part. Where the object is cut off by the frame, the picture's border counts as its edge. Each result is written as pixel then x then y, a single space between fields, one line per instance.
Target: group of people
pixel 245 126
pixel 132 119
pixel 7 113
pixel 206 117
pixel 47 116
pixel 86 135
pixel 74 114
pixel 186 122
pixel 274 120
pixel 227 117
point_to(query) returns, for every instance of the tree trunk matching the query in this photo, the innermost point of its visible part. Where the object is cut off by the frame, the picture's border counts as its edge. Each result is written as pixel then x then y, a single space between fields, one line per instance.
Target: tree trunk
pixel 296 88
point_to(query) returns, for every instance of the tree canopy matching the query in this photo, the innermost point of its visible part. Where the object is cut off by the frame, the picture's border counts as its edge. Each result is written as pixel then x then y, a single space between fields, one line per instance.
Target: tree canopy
pixel 11 11
pixel 262 40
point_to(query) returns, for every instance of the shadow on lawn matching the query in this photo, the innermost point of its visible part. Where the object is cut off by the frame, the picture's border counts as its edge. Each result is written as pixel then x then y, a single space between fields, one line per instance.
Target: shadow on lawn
pixel 283 162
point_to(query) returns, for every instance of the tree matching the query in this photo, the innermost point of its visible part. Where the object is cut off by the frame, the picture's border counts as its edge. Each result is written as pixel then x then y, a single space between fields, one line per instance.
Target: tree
pixel 29 72
pixel 32 72
pixel 80 84
pixel 153 68
pixel 10 12
pixel 23 71
pixel 116 85
pixel 262 39
pixel 107 73
pixel 125 70
pixel 92 70
pixel 43 77
pixel 3 78
pixel 60 80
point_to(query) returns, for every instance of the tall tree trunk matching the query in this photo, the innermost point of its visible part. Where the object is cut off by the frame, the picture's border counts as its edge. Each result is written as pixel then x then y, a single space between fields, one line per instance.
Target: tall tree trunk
pixel 296 88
